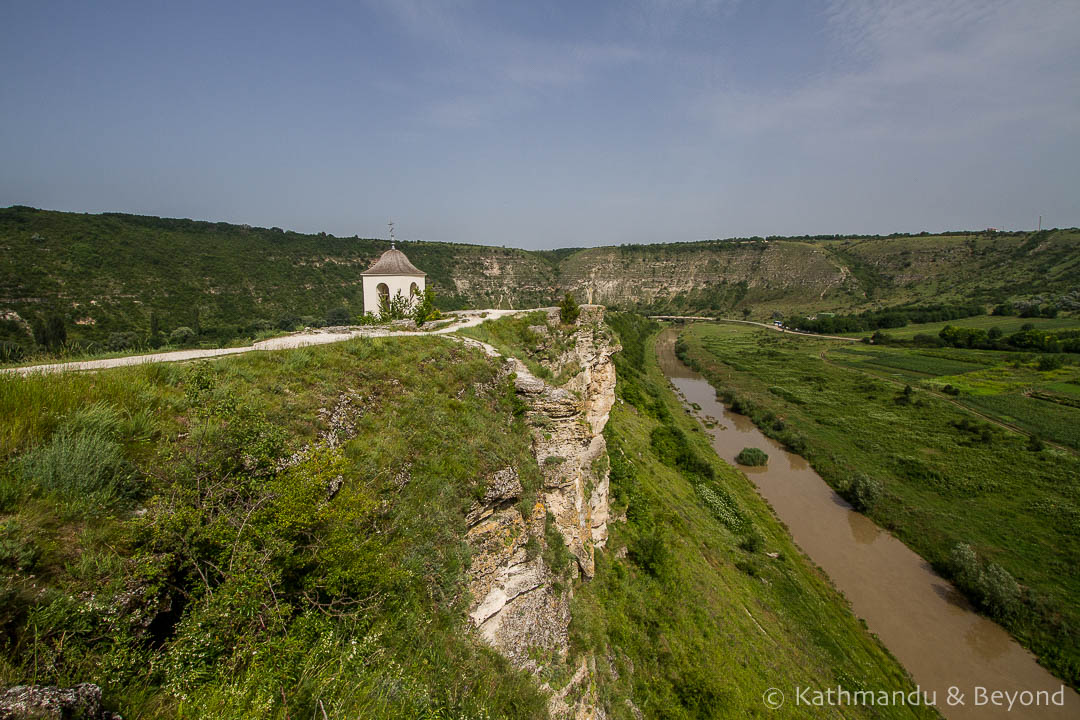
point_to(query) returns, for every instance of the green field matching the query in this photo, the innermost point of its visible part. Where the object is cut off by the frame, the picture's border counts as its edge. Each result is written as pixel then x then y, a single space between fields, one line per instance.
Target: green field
pixel 948 476
pixel 910 363
pixel 1007 324
pixel 1050 421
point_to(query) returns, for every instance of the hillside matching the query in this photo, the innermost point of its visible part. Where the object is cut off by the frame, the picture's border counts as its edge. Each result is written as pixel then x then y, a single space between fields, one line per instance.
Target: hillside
pixel 381 528
pixel 103 275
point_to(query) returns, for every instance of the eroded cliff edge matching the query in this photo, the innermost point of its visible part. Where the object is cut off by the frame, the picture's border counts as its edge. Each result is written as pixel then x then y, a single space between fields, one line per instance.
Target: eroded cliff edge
pixel 528 551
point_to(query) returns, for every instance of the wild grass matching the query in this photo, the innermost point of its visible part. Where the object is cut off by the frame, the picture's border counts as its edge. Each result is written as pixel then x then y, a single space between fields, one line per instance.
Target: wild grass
pixel 259 570
pixel 1050 421
pixel 514 336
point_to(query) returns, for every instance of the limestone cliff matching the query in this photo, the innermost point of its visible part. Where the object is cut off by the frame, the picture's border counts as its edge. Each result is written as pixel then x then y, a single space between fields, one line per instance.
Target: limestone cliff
pixel 521 596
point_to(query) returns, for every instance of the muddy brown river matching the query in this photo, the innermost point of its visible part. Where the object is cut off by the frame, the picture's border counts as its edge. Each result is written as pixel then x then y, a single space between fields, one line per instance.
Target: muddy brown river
pixel 919 616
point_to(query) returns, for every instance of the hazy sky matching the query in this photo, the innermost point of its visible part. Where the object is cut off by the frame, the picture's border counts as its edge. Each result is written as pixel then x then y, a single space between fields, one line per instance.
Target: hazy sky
pixel 548 124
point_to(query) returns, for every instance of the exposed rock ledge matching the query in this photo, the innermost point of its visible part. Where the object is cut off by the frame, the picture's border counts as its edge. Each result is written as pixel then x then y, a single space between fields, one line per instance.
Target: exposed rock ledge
pixel 520 606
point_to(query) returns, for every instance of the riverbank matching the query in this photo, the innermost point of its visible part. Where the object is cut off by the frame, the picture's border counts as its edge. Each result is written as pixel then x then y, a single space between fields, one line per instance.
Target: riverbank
pixel 946 477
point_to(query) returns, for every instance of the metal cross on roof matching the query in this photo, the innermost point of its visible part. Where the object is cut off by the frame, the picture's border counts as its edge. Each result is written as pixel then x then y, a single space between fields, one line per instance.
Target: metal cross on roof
pixel 392 241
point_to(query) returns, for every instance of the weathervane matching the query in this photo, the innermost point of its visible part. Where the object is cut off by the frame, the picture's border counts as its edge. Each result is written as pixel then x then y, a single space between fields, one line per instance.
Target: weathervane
pixel 392 241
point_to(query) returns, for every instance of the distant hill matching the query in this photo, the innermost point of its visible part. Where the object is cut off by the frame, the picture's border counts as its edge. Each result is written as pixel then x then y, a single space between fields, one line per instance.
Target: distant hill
pixel 107 274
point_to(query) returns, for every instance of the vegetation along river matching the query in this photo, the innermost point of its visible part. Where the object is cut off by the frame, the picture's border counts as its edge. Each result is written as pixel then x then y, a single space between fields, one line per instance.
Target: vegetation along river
pixel 919 616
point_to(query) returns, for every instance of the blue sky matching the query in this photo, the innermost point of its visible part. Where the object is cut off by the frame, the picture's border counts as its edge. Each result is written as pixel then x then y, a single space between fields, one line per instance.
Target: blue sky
pixel 551 124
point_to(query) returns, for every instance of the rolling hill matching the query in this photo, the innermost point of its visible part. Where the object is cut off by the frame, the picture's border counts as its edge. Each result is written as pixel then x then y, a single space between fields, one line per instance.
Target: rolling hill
pixel 110 273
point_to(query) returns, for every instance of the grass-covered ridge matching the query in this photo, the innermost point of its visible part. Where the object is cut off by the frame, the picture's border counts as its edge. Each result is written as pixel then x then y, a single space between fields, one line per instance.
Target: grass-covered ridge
pixel 117 281
pixel 888 428
pixel 271 535
pixel 690 614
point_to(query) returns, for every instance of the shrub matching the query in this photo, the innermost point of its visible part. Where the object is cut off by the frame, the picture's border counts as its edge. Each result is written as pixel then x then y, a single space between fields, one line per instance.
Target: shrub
pixel 182 335
pixel 425 309
pixel 1035 444
pixel 338 316
pixel 1001 592
pixel 991 586
pixel 569 310
pixel 650 551
pixel 288 323
pixel 122 340
pixel 1050 362
pixel 556 555
pixel 864 492
pixel 742 406
pixel 752 542
pixel 752 457
pixel 393 308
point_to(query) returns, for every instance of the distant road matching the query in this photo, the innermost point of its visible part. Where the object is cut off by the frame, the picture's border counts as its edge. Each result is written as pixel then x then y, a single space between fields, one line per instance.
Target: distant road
pixel 787 331
pixel 463 319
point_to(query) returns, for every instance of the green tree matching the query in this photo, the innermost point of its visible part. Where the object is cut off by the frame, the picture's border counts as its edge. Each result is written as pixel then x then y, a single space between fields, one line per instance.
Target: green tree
pixel 181 336
pixel 338 316
pixel 425 309
pixel 393 308
pixel 569 310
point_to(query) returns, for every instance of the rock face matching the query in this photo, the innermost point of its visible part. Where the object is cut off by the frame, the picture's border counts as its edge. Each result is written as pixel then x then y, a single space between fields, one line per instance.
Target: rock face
pixel 521 603
pixel 53 703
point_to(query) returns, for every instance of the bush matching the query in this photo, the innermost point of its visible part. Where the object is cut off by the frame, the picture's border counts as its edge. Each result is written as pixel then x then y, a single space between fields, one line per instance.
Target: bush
pixel 569 310
pixel 181 336
pixel 122 341
pixel 393 308
pixel 752 457
pixel 752 542
pixel 338 316
pixel 288 323
pixel 1050 362
pixel 425 309
pixel 991 586
pixel 742 406
pixel 864 492
pixel 650 552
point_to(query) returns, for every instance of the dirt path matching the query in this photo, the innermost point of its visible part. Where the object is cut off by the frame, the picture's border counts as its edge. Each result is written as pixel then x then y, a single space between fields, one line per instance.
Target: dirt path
pixel 463 319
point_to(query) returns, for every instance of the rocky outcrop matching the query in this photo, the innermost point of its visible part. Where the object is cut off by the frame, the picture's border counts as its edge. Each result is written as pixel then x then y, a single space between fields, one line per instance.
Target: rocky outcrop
pixel 23 702
pixel 521 596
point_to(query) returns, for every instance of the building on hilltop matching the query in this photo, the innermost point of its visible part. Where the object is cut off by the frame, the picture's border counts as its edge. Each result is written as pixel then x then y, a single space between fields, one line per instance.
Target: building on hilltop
pixel 392 274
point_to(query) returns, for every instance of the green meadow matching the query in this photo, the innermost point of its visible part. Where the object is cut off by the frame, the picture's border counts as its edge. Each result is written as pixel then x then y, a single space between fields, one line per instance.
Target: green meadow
pixel 947 475
pixel 1008 324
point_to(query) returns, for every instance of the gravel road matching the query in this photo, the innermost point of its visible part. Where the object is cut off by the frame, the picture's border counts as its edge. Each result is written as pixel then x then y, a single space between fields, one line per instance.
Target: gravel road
pixel 463 319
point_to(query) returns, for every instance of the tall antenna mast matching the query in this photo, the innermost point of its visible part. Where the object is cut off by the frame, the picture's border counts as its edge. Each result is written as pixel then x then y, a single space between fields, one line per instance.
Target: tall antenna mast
pixel 392 241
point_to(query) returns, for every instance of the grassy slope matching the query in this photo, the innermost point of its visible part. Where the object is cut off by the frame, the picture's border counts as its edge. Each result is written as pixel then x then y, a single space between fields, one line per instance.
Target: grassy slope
pixel 233 275
pixel 688 623
pixel 242 590
pixel 944 484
